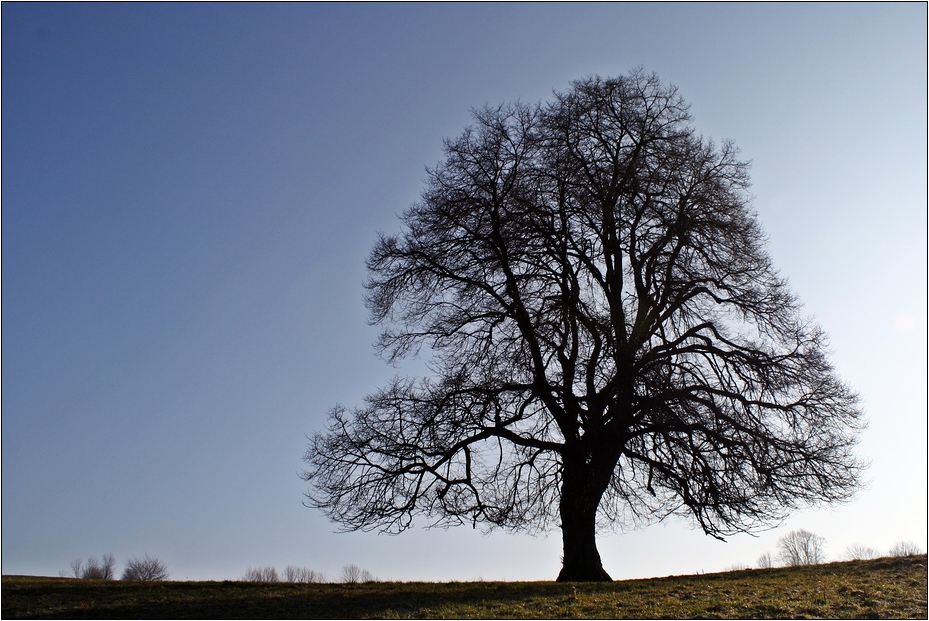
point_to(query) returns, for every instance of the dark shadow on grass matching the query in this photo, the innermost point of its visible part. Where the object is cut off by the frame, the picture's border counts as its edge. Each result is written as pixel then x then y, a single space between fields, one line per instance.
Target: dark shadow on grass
pixel 237 600
pixel 885 588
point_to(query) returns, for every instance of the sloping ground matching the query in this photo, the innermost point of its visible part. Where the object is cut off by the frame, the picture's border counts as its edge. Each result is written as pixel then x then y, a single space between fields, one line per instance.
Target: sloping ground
pixel 882 588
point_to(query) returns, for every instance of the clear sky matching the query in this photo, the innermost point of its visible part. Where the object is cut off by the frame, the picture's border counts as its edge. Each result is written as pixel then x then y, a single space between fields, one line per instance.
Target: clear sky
pixel 189 192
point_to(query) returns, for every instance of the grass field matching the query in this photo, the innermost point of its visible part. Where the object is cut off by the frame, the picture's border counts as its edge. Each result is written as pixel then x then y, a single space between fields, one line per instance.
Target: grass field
pixel 881 588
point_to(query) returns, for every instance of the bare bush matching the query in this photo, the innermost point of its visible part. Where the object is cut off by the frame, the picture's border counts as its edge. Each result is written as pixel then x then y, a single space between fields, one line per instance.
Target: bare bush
pixel 145 568
pixel 77 568
pixel 353 574
pixel 801 547
pixel 261 574
pixel 905 548
pixel 765 561
pixel 94 569
pixel 303 574
pixel 738 567
pixel 860 552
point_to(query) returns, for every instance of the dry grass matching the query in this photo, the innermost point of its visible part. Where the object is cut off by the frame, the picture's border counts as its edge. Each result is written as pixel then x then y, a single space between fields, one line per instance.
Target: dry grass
pixel 880 588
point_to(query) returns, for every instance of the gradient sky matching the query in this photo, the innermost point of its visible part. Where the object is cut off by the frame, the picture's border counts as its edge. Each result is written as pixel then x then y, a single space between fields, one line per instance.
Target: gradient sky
pixel 189 192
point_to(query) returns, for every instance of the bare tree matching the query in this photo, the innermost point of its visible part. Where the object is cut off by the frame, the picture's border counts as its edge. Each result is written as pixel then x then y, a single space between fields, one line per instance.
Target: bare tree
pixel 765 561
pixel 801 547
pixel 94 569
pixel 77 568
pixel 261 574
pixel 610 341
pixel 109 567
pixel 145 569
pixel 905 548
pixel 302 574
pixel 353 574
pixel 860 552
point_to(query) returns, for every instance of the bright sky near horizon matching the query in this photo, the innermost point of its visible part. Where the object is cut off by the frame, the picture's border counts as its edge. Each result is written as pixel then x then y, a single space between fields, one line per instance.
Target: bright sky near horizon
pixel 189 193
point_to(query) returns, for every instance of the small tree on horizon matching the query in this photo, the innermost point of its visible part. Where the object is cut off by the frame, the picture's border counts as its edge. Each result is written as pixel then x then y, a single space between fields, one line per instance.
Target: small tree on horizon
pixel 611 344
pixel 801 547
pixel 261 574
pixel 353 574
pixel 905 548
pixel 293 573
pixel 860 552
pixel 94 569
pixel 765 561
pixel 76 566
pixel 145 568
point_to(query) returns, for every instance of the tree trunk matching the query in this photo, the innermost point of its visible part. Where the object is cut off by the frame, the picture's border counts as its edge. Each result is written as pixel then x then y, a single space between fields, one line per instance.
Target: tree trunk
pixel 580 495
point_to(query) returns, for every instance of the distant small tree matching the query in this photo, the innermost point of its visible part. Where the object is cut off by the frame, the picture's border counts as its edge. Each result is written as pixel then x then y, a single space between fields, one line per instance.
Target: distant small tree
pixel 302 574
pixel 145 569
pixel 94 569
pixel 108 567
pixel 905 548
pixel 765 561
pixel 801 547
pixel 77 568
pixel 860 552
pixel 261 574
pixel 353 574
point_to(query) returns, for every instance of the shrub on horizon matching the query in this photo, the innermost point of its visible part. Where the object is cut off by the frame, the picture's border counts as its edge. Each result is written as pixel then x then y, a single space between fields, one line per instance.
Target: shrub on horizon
pixel 303 575
pixel 261 574
pixel 801 547
pixel 94 569
pixel 765 561
pixel 860 552
pixel 145 568
pixel 353 574
pixel 905 548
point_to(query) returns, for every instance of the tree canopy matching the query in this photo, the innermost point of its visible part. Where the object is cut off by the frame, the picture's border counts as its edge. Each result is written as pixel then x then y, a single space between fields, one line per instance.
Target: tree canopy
pixel 610 343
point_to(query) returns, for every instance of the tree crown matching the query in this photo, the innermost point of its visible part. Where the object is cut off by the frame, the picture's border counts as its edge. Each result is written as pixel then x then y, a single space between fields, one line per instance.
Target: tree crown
pixel 593 288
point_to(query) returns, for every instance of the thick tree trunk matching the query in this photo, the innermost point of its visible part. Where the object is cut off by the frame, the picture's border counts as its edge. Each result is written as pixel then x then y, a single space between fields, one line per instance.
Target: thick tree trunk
pixel 580 494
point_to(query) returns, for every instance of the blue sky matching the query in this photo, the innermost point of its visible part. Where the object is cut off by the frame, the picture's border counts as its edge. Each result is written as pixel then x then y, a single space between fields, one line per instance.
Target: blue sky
pixel 189 192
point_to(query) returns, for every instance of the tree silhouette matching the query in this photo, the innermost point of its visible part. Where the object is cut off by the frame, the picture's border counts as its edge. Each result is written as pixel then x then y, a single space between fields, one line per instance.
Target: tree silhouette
pixel 860 552
pixel 905 548
pixel 145 568
pixel 801 547
pixel 95 569
pixel 765 561
pixel 610 342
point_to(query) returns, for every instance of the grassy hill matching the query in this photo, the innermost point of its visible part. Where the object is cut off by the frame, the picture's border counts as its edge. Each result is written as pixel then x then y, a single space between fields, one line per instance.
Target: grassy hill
pixel 881 588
